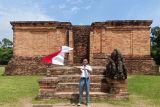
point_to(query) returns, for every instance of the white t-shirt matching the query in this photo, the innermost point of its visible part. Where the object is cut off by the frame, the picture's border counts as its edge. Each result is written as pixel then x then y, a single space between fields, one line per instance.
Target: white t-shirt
pixel 85 72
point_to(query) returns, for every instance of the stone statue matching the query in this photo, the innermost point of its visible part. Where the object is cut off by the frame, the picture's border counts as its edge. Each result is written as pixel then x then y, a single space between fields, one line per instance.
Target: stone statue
pixel 116 68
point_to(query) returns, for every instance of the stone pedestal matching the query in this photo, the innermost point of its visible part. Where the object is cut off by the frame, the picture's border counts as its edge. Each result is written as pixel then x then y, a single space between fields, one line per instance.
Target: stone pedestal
pixel 118 88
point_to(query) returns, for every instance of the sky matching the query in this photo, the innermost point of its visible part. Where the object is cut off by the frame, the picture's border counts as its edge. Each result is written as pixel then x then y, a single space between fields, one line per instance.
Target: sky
pixel 78 12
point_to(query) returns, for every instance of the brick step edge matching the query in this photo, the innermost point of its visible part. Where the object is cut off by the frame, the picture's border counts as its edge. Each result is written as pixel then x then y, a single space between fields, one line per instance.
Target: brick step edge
pixel 100 70
pixel 76 78
pixel 72 78
pixel 77 89
pixel 70 95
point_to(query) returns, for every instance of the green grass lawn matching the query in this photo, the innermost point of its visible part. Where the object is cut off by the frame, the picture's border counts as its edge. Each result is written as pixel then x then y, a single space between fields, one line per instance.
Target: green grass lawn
pixel 15 88
pixel 145 85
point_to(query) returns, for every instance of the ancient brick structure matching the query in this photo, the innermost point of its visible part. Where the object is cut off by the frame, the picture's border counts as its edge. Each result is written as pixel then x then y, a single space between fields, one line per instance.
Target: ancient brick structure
pixel 32 40
pixel 130 37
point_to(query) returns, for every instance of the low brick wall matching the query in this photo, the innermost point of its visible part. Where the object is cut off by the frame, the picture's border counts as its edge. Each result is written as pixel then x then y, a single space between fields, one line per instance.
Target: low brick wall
pixel 135 65
pixel 33 65
pixel 141 65
pixel 26 66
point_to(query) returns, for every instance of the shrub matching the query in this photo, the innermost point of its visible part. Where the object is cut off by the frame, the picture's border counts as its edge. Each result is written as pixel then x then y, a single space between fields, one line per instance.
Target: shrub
pixel 5 55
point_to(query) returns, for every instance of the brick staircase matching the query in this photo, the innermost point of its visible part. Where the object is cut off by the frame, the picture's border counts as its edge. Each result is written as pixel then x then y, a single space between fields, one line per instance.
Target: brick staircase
pixel 63 82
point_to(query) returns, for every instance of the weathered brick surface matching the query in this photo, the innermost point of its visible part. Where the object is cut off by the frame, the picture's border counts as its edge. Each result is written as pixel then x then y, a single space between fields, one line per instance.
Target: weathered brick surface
pixel 39 38
pixel 70 70
pixel 96 42
pixel 47 85
pixel 67 86
pixel 132 38
pixel 74 95
pixel 28 66
pixel 76 78
pixel 141 65
pixel 128 36
pixel 25 66
pixel 81 42
pixel 135 64
pixel 118 88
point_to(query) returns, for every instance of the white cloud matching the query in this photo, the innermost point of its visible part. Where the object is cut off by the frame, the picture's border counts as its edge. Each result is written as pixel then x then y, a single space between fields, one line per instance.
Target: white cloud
pixel 21 14
pixel 74 9
pixel 81 23
pixel 88 7
pixel 75 1
pixel 62 6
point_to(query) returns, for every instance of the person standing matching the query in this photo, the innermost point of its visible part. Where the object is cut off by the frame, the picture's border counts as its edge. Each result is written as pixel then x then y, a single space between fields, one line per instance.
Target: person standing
pixel 86 69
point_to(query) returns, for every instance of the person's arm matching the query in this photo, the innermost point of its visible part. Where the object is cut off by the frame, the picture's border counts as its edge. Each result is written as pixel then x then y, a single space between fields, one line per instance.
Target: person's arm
pixel 89 69
pixel 79 67
pixel 82 69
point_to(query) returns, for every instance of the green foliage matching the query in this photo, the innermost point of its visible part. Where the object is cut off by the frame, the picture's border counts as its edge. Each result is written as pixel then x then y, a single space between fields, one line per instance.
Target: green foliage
pixel 155 49
pixel 6 43
pixel 0 44
pixel 5 51
pixel 5 55
pixel 155 53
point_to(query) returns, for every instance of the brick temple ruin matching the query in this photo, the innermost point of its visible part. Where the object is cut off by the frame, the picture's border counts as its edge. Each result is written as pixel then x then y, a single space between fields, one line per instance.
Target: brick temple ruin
pixel 34 39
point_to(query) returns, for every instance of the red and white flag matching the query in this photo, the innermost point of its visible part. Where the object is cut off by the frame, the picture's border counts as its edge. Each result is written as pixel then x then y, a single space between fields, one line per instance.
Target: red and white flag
pixel 57 57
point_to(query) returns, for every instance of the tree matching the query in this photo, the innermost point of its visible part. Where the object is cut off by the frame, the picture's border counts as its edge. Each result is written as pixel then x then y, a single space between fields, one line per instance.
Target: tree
pixel 0 44
pixel 5 55
pixel 6 43
pixel 155 31
pixel 156 36
pixel 6 51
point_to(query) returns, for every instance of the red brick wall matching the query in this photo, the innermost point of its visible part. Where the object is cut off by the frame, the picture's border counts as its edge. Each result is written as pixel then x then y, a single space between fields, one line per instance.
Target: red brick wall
pixel 33 43
pixel 38 39
pixel 131 39
pixel 141 42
